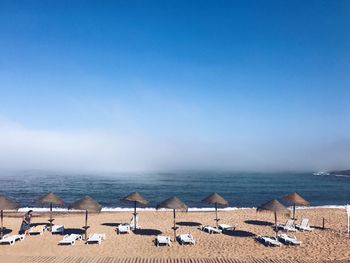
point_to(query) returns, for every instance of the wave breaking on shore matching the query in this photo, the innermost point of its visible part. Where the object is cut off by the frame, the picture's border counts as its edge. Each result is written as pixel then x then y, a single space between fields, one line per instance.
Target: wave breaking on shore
pixel 150 209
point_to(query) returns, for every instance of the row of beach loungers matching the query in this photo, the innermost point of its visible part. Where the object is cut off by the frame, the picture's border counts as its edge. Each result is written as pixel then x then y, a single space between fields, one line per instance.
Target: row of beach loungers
pixel 183 239
pixel 284 238
pixel 291 226
pixel 35 230
pixel 277 242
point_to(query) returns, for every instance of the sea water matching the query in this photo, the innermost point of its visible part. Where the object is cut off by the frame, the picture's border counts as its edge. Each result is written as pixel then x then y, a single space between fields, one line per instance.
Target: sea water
pixel 240 189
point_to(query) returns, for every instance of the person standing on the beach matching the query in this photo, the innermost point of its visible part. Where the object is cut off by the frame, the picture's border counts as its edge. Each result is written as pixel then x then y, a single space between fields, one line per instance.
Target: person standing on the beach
pixel 25 226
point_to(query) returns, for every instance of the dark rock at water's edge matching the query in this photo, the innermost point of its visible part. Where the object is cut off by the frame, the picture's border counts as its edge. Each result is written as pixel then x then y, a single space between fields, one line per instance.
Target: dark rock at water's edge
pixel 344 172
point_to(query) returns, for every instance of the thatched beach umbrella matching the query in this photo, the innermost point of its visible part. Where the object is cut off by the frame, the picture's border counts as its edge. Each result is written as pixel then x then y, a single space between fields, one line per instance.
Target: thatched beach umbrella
pixel 175 204
pixel 5 204
pixel 295 199
pixel 89 205
pixel 276 207
pixel 215 199
pixel 136 198
pixel 50 199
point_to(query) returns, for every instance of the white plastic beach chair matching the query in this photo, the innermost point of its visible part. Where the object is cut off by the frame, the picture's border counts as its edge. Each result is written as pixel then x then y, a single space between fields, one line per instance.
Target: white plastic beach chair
pixel 304 226
pixel 186 239
pixel 11 239
pixel 288 240
pixel 225 227
pixel 132 222
pixel 211 230
pixel 123 229
pixel 163 240
pixel 57 229
pixel 288 226
pixel 70 239
pixel 96 238
pixel 269 241
pixel 37 230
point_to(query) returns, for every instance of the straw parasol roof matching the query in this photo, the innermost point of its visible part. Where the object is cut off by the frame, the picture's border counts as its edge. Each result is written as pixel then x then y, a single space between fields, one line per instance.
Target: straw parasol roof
pixel 86 203
pixel 273 206
pixel 135 197
pixel 172 203
pixel 7 204
pixel 50 198
pixel 215 198
pixel 295 198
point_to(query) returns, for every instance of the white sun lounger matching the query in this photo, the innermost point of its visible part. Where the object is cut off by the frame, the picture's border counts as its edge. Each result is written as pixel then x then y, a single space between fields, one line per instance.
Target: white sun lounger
pixel 57 229
pixel 304 226
pixel 268 241
pixel 288 240
pixel 11 239
pixel 96 238
pixel 37 230
pixel 123 229
pixel 186 239
pixel 288 226
pixel 70 239
pixel 211 230
pixel 163 240
pixel 225 227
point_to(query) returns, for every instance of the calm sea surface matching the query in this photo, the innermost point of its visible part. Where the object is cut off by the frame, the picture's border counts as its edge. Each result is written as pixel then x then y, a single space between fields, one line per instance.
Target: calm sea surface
pixel 240 189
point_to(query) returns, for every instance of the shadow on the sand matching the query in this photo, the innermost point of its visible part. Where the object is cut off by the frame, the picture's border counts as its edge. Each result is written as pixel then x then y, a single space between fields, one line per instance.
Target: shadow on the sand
pixel 188 224
pixel 258 223
pixel 6 231
pixel 111 224
pixel 68 231
pixel 239 233
pixel 319 227
pixel 147 232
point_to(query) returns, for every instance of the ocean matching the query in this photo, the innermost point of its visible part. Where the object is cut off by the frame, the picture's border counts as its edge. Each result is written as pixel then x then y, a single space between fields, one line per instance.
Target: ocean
pixel 240 189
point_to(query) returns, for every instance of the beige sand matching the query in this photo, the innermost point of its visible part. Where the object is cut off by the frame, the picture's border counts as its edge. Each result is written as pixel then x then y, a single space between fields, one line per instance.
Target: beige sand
pixel 319 244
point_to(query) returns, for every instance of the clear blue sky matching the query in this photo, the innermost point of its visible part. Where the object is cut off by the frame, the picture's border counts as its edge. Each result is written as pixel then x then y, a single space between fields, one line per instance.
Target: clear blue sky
pixel 213 71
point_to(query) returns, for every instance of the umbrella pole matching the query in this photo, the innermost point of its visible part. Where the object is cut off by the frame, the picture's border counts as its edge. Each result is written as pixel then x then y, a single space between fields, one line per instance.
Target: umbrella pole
pixel 50 217
pixel 2 224
pixel 135 215
pixel 86 227
pixel 216 212
pixel 174 225
pixel 294 211
pixel 276 229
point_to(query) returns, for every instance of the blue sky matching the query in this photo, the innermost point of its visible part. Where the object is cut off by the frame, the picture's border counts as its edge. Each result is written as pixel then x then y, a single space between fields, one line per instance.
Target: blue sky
pixel 245 82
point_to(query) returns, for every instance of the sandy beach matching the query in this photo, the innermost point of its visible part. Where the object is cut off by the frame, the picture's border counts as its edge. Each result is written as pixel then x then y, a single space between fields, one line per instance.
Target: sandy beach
pixel 329 244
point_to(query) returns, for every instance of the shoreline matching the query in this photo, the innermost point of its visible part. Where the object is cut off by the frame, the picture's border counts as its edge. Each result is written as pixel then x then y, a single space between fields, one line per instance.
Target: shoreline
pixel 152 209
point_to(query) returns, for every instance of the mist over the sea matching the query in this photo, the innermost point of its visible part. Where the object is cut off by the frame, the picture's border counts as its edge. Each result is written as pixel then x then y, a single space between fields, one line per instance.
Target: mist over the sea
pixel 105 151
